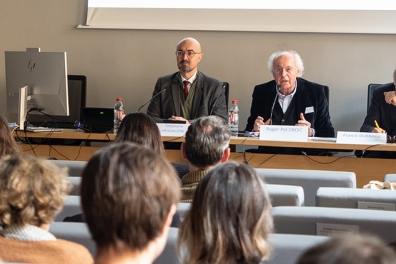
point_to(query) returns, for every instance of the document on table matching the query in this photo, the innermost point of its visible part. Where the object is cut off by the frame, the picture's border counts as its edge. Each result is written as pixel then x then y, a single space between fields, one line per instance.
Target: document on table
pixel 323 139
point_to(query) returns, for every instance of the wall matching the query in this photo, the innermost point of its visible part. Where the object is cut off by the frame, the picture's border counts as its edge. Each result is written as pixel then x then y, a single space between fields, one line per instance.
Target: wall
pixel 127 63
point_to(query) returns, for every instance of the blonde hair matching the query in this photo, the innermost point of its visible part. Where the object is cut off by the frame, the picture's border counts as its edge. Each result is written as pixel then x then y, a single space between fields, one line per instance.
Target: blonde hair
pixel 7 142
pixel 32 191
pixel 229 220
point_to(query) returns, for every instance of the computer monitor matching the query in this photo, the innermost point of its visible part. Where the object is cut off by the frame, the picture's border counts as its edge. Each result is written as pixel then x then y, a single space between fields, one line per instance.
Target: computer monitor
pixel 42 78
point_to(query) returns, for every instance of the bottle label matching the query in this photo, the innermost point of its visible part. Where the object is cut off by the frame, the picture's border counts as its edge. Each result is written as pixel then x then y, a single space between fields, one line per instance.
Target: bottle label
pixel 120 115
pixel 234 117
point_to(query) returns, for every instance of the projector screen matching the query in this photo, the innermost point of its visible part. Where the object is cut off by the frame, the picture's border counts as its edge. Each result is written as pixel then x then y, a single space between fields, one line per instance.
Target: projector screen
pixel 336 16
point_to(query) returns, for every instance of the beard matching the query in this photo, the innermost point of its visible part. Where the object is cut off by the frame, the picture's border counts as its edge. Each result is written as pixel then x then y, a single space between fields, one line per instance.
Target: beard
pixel 185 67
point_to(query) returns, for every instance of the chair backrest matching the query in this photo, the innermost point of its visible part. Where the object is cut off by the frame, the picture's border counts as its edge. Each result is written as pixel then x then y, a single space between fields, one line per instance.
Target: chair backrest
pixel 285 195
pixel 75 232
pixel 390 178
pixel 75 167
pixel 226 92
pixel 349 198
pixel 287 249
pixel 309 180
pixel 169 256
pixel 76 183
pixel 370 91
pixel 72 207
pixel 305 220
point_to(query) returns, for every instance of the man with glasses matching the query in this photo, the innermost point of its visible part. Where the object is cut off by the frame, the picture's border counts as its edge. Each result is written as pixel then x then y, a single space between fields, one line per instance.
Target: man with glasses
pixel 188 93
pixel 290 100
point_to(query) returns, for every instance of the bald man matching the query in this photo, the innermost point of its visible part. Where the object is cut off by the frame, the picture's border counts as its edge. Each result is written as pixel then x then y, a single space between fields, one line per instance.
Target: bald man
pixel 189 93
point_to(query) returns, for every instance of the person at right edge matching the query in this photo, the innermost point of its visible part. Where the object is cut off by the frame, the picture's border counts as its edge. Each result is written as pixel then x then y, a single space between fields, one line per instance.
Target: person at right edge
pixel 382 110
pixel 290 100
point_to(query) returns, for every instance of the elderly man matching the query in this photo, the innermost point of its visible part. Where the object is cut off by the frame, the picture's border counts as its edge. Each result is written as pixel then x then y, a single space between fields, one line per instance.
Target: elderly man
pixel 382 110
pixel 290 100
pixel 207 144
pixel 188 93
pixel 129 195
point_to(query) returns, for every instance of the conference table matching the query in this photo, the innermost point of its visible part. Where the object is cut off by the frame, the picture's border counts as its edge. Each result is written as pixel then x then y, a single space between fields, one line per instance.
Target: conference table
pixel 366 169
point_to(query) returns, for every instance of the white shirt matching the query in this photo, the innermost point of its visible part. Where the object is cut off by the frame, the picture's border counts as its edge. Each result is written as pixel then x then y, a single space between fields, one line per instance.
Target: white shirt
pixel 285 100
pixel 190 81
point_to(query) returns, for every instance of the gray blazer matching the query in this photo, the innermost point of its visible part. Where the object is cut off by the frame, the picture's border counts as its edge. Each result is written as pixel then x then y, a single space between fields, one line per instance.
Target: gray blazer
pixel 207 91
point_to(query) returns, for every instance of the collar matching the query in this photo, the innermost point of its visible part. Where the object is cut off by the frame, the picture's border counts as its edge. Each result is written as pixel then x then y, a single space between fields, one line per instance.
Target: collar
pixel 191 80
pixel 281 96
pixel 27 233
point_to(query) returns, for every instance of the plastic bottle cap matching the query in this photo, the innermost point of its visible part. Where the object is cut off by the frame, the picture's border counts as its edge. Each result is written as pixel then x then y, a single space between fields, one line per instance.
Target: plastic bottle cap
pixel 119 99
pixel 234 101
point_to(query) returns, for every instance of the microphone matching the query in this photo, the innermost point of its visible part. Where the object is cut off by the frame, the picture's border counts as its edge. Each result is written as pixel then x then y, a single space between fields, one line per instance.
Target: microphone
pixel 273 104
pixel 222 91
pixel 152 98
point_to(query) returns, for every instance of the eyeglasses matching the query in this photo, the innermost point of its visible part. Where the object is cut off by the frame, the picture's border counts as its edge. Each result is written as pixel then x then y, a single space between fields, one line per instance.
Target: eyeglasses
pixel 190 53
pixel 280 71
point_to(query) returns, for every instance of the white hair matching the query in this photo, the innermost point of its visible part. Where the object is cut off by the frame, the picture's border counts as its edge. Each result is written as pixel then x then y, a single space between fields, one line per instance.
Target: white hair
pixel 276 55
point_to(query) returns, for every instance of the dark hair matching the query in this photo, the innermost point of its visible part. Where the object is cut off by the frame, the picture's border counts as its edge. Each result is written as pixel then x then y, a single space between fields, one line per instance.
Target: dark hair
pixel 230 218
pixel 350 249
pixel 206 140
pixel 127 191
pixel 141 129
pixel 7 142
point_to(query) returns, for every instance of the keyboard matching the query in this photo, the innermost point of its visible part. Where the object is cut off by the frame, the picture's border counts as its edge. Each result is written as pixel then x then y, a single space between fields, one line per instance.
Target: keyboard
pixel 67 125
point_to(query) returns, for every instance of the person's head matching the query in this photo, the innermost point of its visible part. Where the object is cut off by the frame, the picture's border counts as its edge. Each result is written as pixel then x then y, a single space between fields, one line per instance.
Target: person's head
pixel 230 218
pixel 140 128
pixel 349 249
pixel 207 142
pixel 188 55
pixel 32 190
pixel 394 77
pixel 7 142
pixel 129 195
pixel 285 67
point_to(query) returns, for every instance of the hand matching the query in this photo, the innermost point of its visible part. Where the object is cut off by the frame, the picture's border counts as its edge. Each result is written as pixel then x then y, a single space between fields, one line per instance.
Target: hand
pixel 376 130
pixel 179 118
pixel 390 97
pixel 260 122
pixel 303 122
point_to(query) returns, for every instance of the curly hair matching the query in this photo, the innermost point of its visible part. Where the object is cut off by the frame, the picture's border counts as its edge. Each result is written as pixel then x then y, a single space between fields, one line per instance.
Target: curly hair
pixel 229 220
pixel 32 190
pixel 7 142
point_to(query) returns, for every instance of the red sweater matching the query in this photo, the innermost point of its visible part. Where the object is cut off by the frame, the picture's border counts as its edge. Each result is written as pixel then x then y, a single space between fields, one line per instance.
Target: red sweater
pixel 51 252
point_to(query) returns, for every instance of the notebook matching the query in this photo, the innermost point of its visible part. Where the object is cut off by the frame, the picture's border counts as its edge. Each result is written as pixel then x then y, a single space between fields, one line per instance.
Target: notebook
pixel 98 119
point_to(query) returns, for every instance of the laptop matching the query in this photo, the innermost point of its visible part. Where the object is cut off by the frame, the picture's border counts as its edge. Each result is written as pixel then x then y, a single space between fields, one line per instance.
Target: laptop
pixel 98 119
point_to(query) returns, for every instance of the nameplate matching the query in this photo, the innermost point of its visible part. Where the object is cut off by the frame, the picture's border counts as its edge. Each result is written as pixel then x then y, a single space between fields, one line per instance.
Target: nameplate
pixel 173 130
pixel 284 133
pixel 376 206
pixel 330 229
pixel 361 138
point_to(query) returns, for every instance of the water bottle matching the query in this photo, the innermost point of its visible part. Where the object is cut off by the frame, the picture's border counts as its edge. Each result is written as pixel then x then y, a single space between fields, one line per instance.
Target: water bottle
pixel 233 118
pixel 118 114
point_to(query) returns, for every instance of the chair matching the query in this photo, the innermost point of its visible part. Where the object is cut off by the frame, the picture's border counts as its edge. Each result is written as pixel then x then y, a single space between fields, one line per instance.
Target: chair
pixel 285 195
pixel 75 167
pixel 75 232
pixel 72 207
pixel 304 220
pixel 370 91
pixel 288 248
pixel 309 180
pixel 76 183
pixel 181 169
pixel 169 256
pixel 390 178
pixel 349 198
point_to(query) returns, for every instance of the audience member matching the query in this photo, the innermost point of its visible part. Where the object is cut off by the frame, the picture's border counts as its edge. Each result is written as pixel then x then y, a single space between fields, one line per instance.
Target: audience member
pixel 7 142
pixel 187 94
pixel 350 249
pixel 229 220
pixel 382 110
pixel 129 194
pixel 206 144
pixel 32 192
pixel 141 129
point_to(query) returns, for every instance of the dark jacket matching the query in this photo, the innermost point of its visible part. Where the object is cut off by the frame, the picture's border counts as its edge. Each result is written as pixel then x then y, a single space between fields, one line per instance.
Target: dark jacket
pixel 207 91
